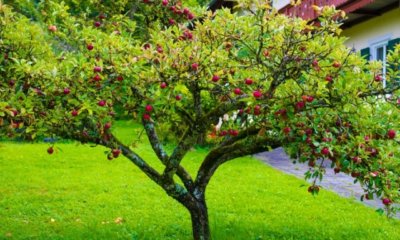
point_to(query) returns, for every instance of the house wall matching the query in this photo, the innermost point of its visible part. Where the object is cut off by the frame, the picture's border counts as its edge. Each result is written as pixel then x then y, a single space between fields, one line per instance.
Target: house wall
pixel 377 29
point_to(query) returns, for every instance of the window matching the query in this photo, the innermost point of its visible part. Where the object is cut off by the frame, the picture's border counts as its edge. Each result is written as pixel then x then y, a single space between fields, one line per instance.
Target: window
pixel 378 49
pixel 378 53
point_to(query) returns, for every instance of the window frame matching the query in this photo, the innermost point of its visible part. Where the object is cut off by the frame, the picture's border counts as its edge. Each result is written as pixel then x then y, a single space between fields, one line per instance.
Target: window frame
pixel 374 57
pixel 374 45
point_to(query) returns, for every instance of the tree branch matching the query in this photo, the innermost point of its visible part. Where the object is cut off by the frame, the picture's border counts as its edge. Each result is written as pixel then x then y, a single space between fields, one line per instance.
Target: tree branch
pixel 135 159
pixel 163 156
pixel 223 154
pixel 154 140
pixel 184 145
pixel 383 91
pixel 173 189
pixel 253 130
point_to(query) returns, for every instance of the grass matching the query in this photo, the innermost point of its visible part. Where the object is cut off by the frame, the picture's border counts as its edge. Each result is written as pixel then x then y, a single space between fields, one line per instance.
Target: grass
pixel 78 194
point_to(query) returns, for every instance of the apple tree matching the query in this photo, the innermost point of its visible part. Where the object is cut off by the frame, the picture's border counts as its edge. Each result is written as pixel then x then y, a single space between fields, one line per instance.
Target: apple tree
pixel 251 83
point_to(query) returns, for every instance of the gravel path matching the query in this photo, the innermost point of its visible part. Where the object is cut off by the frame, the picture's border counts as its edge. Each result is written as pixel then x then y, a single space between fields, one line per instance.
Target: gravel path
pixel 339 183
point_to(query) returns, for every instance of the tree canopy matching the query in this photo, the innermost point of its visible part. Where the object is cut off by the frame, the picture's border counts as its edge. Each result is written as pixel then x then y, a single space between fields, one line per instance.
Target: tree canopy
pixel 249 83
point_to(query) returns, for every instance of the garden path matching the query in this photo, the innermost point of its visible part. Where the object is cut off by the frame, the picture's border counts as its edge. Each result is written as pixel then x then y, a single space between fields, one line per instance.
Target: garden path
pixel 339 183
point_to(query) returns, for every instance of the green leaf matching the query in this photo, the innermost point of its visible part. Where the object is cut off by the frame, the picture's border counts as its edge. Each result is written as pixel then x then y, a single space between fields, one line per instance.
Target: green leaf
pixel 380 211
pixel 243 53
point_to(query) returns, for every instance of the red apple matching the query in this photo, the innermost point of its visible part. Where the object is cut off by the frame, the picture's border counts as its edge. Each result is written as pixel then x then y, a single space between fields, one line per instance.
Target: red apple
pixel 102 103
pixel 325 151
pixel 328 78
pixel 228 46
pixel 67 91
pixel 336 64
pixel 50 150
pixel 97 69
pixel 386 201
pixel 187 34
pixel 355 174
pixel 248 81
pixel 74 113
pixel 97 78
pixel 326 139
pixel 107 125
pixel 52 28
pixel 373 151
pixel 336 170
pixel 149 108
pixel 233 132
pixel 378 78
pixel 190 16
pixel 257 94
pixel 286 130
pixel 159 49
pixel 178 97
pixel 146 117
pixel 163 85
pixel 300 105
pixel 257 110
pixel 266 53
pixel 11 83
pixel 116 153
pixel 311 163
pixel 146 46
pixel 90 47
pixel 237 91
pixel 391 134
pixel 215 78
pixel 356 159
pixel 102 16
pixel 195 66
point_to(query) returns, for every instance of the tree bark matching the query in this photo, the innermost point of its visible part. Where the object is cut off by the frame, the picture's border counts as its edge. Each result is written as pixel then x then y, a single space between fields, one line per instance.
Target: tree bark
pixel 199 214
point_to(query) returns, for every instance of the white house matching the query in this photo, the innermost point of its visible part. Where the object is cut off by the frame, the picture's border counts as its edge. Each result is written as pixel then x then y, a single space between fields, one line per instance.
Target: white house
pixel 372 26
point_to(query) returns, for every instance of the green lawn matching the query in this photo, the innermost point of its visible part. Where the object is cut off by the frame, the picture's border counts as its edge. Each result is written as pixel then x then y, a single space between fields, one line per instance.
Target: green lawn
pixel 77 194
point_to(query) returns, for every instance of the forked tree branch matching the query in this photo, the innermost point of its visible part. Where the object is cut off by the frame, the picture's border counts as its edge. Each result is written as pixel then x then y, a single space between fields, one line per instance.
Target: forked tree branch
pixel 224 154
pixel 162 155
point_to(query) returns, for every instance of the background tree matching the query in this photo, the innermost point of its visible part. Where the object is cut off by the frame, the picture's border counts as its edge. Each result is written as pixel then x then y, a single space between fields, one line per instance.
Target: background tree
pixel 276 81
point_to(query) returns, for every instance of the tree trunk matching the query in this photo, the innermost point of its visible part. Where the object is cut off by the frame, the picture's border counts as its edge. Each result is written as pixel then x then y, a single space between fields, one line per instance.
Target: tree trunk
pixel 199 214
